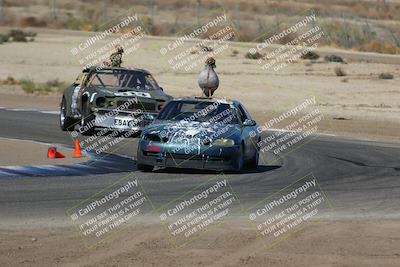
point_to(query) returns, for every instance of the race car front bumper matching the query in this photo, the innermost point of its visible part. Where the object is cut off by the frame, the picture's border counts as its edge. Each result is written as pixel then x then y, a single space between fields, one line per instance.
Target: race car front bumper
pixel 124 121
pixel 210 158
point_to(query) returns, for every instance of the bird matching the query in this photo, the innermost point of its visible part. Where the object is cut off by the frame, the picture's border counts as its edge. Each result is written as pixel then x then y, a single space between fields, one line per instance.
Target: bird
pixel 208 78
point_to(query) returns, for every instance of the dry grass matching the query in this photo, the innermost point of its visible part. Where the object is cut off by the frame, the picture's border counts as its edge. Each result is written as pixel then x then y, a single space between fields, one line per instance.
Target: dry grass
pixel 30 87
pixel 252 19
pixel 339 72
pixel 386 76
pixel 255 55
pixel 378 46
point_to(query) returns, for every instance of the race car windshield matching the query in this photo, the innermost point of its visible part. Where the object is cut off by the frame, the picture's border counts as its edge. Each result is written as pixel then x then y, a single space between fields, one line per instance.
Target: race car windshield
pixel 200 112
pixel 124 79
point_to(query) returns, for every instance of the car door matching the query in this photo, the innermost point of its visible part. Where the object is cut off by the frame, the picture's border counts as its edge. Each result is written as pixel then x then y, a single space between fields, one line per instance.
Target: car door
pixel 250 140
pixel 79 89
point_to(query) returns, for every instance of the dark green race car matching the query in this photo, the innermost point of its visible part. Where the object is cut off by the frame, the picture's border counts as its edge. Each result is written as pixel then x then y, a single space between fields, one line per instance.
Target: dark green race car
pixel 200 133
pixel 115 98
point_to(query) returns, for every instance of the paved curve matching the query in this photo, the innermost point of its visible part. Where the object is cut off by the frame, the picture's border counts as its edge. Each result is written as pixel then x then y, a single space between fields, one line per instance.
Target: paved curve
pixel 360 178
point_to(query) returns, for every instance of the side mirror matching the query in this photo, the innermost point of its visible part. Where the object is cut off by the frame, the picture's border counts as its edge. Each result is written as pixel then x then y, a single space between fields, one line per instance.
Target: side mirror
pixel 162 89
pixel 249 122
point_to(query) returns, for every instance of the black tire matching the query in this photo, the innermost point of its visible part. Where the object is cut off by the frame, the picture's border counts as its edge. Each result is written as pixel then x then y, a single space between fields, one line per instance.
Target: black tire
pixel 240 160
pixel 87 120
pixel 145 168
pixel 253 163
pixel 66 123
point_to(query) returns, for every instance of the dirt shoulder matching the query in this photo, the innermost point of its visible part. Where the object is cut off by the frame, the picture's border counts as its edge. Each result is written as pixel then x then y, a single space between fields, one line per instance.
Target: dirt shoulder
pixel 366 242
pixel 48 103
pixel 15 152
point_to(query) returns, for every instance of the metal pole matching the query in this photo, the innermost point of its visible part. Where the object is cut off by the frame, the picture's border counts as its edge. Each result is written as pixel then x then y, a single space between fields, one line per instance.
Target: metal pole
pixel 198 12
pixel 346 34
pixel 54 9
pixel 278 23
pixel 238 16
pixel 105 8
pixel 368 29
pixel 396 40
pixel 152 10
pixel 1 9
pixel 312 12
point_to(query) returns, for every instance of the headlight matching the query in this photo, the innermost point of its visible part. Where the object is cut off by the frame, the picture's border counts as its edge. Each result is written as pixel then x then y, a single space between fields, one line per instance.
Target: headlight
pixel 100 102
pixel 223 142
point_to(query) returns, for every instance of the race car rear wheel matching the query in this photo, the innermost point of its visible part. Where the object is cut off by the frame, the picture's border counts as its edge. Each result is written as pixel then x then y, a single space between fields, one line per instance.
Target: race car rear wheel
pixel 145 168
pixel 87 120
pixel 66 123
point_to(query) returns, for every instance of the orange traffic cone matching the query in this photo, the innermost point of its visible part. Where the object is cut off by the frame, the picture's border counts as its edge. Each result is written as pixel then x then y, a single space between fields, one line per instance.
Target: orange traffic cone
pixel 52 153
pixel 59 155
pixel 77 152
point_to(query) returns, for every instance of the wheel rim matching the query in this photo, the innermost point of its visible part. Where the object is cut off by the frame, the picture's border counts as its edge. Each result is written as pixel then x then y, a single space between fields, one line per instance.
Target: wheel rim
pixel 62 113
pixel 83 116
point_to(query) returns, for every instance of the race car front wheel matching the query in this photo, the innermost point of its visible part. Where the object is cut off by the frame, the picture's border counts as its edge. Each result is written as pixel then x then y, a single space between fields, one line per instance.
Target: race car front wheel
pixel 66 123
pixel 253 163
pixel 240 159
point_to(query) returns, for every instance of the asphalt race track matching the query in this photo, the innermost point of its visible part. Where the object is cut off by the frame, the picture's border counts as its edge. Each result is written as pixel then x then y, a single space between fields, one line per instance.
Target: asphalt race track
pixel 360 178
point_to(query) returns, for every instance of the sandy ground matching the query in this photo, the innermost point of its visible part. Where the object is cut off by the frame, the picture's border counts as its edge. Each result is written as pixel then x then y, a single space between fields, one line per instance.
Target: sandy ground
pixel 23 153
pixel 358 105
pixel 231 243
pixel 22 101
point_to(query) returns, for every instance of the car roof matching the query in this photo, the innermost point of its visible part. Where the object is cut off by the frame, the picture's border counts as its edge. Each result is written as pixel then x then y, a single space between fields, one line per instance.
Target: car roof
pixel 99 69
pixel 207 99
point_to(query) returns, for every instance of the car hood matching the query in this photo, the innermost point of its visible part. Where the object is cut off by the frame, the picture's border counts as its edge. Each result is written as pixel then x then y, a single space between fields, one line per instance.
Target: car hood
pixel 191 132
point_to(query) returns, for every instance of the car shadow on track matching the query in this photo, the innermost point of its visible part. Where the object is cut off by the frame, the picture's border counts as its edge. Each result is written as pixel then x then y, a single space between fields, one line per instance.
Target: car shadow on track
pixel 260 169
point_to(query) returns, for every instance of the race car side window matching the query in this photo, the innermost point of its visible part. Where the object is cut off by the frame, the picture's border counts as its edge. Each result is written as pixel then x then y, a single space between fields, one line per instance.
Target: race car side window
pixel 78 79
pixel 242 113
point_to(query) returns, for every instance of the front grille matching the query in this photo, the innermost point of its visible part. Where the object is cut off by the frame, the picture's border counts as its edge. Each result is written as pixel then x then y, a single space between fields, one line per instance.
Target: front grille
pixel 197 157
pixel 184 156
pixel 219 158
